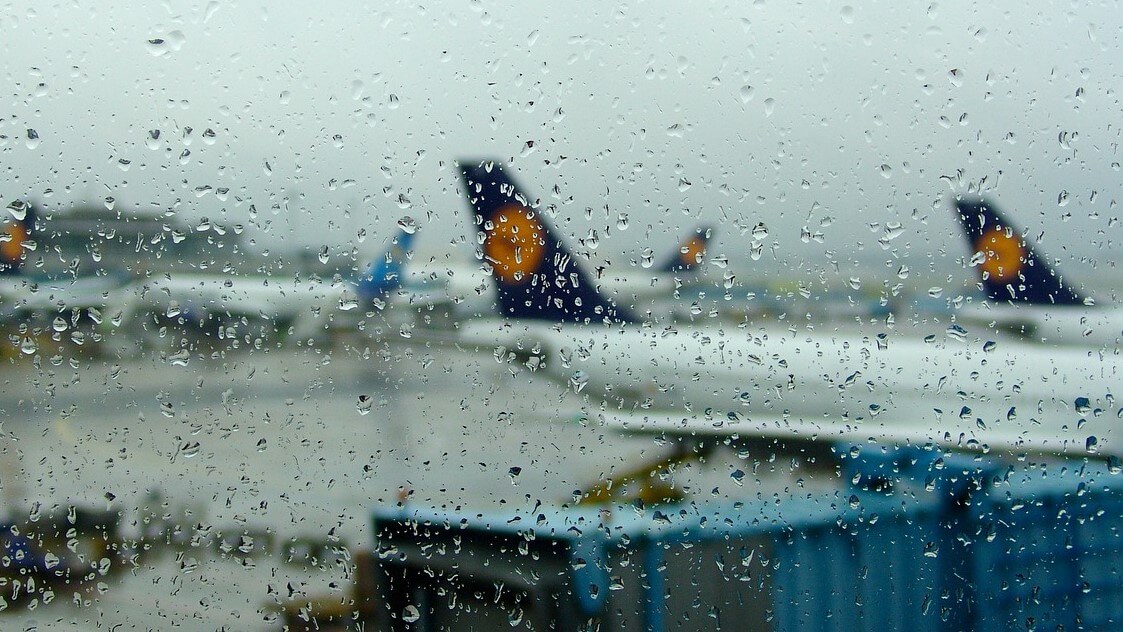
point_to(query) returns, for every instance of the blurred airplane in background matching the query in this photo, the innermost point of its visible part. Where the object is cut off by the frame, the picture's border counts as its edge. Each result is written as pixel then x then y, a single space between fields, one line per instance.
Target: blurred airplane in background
pixel 25 297
pixel 1024 293
pixel 266 306
pixel 784 384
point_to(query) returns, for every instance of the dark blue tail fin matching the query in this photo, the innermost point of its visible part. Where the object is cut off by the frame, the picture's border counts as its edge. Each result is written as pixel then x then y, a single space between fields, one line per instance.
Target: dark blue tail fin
pixel 535 275
pixel 1009 268
pixel 690 253
pixel 386 273
pixel 16 232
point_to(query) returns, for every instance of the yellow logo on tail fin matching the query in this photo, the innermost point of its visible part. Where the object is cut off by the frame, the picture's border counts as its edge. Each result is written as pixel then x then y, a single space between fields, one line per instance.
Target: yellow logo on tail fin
pixel 1003 254
pixel 515 244
pixel 692 251
pixel 11 249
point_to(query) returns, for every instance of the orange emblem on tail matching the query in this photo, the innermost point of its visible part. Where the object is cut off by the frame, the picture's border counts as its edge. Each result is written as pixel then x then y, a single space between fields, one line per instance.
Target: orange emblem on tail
pixel 692 251
pixel 1003 254
pixel 515 244
pixel 11 249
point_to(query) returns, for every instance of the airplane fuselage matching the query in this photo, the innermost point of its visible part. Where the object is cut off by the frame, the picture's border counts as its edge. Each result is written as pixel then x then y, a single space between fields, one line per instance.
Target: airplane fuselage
pixel 1068 325
pixel 783 383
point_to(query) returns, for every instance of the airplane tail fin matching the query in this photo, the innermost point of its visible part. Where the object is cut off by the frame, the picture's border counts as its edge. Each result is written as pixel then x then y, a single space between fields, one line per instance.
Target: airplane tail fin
pixel 1009 268
pixel 536 276
pixel 387 272
pixel 15 233
pixel 690 253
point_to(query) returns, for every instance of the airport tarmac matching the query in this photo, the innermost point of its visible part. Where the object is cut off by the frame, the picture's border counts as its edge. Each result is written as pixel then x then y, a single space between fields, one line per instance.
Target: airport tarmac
pixel 296 444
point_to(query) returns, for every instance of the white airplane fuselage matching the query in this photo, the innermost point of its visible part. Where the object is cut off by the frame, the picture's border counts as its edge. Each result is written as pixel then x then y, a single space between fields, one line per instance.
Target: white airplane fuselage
pixel 1087 326
pixel 801 385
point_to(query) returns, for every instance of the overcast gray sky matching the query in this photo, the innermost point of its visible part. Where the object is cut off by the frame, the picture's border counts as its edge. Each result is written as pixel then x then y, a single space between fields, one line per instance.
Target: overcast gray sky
pixel 331 119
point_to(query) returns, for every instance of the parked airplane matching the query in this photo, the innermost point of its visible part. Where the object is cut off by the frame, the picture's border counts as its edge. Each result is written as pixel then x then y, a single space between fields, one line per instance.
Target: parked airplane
pixel 1024 294
pixel 28 298
pixel 301 307
pixel 784 384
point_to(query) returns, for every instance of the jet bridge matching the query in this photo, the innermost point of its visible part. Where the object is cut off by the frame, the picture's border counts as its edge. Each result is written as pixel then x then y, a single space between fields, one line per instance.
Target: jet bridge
pixel 911 538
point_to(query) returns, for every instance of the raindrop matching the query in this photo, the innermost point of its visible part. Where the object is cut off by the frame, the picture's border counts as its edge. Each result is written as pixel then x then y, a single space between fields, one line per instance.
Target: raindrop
pixel 760 231
pixel 364 404
pixel 1082 405
pixel 411 614
pixel 32 138
pixel 578 381
pixel 408 225
pixel 18 209
pixel 261 445
pixel 956 332
pixel 647 258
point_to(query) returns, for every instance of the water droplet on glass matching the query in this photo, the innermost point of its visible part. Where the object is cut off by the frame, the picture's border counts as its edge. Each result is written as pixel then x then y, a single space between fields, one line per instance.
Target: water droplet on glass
pixel 756 250
pixel 647 258
pixel 364 404
pixel 956 332
pixel 32 138
pixel 411 614
pixel 180 358
pixel 18 209
pixel 578 381
pixel 261 445
pixel 408 225
pixel 1082 405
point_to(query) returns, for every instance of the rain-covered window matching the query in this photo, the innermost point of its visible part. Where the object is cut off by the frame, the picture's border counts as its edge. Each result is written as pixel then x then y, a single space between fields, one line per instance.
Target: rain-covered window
pixel 498 315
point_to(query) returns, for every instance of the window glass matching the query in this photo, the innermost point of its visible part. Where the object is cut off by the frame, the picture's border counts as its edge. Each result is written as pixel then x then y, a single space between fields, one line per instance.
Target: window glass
pixel 591 316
